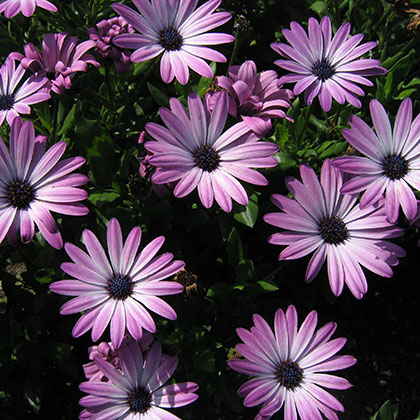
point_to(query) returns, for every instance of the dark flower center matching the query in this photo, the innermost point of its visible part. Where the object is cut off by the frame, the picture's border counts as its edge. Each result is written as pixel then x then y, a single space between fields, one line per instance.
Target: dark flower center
pixel 6 102
pixel 120 287
pixel 323 69
pixel 289 374
pixel 333 230
pixel 395 167
pixel 206 158
pixel 139 400
pixel 170 39
pixel 20 194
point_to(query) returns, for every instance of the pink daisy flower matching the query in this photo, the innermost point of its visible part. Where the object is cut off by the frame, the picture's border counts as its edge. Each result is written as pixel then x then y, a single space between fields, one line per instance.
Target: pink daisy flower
pixel 62 56
pixel 12 7
pixel 255 97
pixel 107 31
pixel 332 226
pixel 15 100
pixel 137 389
pixel 33 182
pixel 289 365
pixel 325 67
pixel 117 289
pixel 392 162
pixel 174 29
pixel 193 151
pixel 108 352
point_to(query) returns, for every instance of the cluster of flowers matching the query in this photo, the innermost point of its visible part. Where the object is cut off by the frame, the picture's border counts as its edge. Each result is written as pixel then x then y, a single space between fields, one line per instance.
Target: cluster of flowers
pixel 195 151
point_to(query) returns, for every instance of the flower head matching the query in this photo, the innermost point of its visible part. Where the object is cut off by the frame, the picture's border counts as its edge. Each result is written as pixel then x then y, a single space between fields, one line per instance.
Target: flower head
pixel 255 97
pixel 136 390
pixel 332 225
pixel 176 31
pixel 108 352
pixel 117 289
pixel 392 162
pixel 289 367
pixel 33 183
pixel 15 100
pixel 193 151
pixel 61 57
pixel 12 7
pixel 325 67
pixel 107 31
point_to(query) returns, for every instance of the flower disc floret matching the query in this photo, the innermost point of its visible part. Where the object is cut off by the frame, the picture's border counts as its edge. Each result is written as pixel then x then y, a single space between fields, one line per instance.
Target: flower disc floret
pixel 120 288
pixel 325 67
pixel 6 102
pixel 333 227
pixel 390 166
pixel 139 400
pixel 288 366
pixel 20 194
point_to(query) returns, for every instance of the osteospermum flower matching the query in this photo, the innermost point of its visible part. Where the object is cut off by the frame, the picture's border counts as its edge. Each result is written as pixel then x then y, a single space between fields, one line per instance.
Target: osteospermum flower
pixel 15 99
pixel 108 352
pixel 107 31
pixel 137 389
pixel 34 182
pixel 61 57
pixel 12 7
pixel 325 67
pixel 120 288
pixel 332 225
pixel 289 367
pixel 194 152
pixel 255 97
pixel 176 31
pixel 392 165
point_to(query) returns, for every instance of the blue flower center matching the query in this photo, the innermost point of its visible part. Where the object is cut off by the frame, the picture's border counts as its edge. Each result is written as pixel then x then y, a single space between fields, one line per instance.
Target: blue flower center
pixel 289 374
pixel 323 69
pixel 120 286
pixel 395 167
pixel 170 39
pixel 6 102
pixel 206 158
pixel 139 400
pixel 20 194
pixel 333 230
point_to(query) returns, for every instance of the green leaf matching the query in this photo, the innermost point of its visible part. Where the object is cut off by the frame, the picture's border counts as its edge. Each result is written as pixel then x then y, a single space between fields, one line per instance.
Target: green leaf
pixel 105 196
pixel 160 97
pixel 247 215
pixel 281 134
pixel 205 361
pixel 388 411
pixel 319 7
pixel 234 248
pixel 334 150
pixel 69 121
pixel 268 286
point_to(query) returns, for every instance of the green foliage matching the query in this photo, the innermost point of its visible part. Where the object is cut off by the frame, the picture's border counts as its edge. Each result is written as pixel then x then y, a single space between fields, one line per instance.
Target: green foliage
pixel 388 411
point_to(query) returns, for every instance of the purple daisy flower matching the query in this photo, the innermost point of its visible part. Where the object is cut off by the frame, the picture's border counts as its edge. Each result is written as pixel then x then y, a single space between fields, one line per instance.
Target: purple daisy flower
pixel 137 389
pixel 117 289
pixel 194 152
pixel 289 367
pixel 107 31
pixel 255 97
pixel 325 67
pixel 62 56
pixel 15 100
pixel 33 183
pixel 12 7
pixel 332 225
pixel 175 29
pixel 108 352
pixel 392 165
